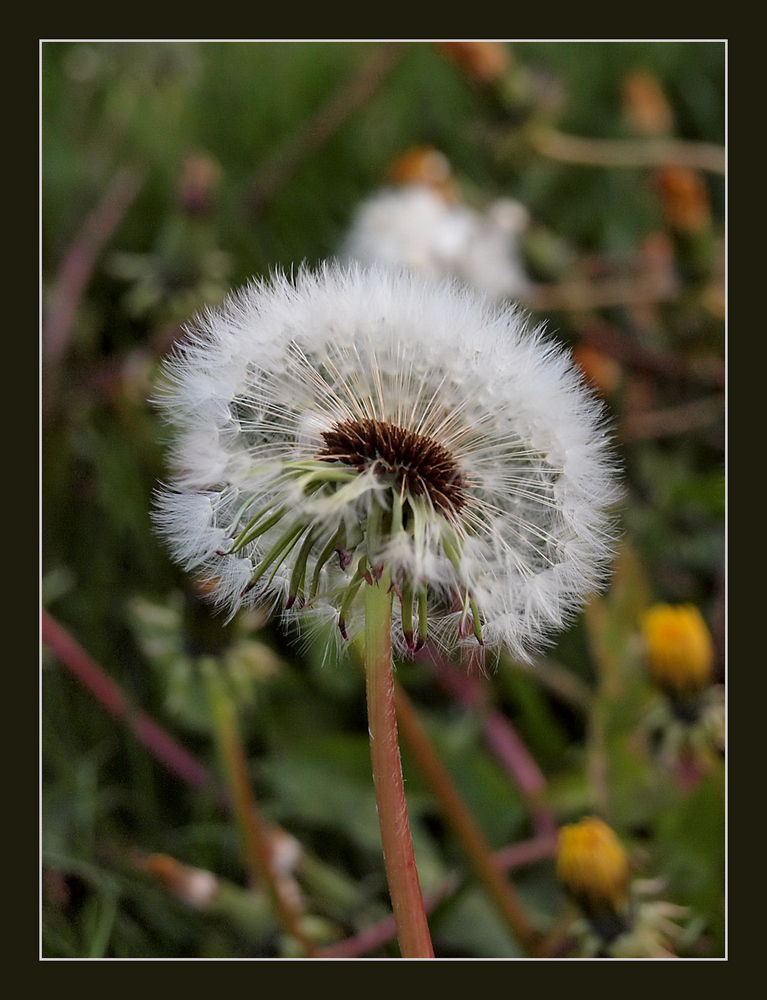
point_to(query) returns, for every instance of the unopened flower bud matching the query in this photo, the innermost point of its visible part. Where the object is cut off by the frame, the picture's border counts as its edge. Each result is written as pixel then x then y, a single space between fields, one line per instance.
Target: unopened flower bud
pixel 425 165
pixel 685 199
pixel 199 184
pixel 680 651
pixel 647 107
pixel 482 61
pixel 600 369
pixel 593 866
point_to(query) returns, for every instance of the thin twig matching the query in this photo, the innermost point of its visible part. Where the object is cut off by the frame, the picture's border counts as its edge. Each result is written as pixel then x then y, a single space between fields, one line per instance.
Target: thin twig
pixel 700 414
pixel 282 163
pixel 608 340
pixel 660 152
pixel 80 260
pixel 608 293
pixel 527 852
pixel 373 938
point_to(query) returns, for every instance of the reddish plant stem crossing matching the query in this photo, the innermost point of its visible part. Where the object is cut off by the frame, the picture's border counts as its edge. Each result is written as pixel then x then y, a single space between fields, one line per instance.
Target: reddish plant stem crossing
pixel 463 825
pixel 162 746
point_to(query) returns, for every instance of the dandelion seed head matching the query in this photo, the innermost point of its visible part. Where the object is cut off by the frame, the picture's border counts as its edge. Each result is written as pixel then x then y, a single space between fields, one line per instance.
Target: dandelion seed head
pixel 349 417
pixel 414 226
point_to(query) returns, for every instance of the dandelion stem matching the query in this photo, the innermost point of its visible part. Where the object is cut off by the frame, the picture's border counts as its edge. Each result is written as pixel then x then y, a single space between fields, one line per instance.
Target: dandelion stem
pixel 399 857
pixel 459 817
pixel 255 839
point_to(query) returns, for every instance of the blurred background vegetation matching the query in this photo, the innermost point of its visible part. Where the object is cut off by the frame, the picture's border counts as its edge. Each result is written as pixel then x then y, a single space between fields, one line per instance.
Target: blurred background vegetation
pixel 173 171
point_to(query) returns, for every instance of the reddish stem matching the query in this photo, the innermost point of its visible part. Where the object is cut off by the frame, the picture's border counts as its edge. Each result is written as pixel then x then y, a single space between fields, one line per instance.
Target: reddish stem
pixel 399 857
pixel 81 258
pixel 104 689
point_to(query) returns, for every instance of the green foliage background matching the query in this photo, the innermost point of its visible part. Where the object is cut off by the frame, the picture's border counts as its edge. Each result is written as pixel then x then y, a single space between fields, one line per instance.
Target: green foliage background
pixel 148 107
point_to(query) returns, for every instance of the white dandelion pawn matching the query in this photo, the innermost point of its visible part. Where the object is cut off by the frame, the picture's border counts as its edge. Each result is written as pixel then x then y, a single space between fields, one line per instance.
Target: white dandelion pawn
pixel 415 226
pixel 354 421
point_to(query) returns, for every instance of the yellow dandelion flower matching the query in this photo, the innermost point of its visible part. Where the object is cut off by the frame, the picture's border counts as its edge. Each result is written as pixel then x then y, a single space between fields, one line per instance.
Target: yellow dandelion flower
pixel 592 864
pixel 680 651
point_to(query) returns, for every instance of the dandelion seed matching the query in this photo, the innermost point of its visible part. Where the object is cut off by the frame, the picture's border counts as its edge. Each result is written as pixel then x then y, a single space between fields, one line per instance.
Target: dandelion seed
pixel 354 419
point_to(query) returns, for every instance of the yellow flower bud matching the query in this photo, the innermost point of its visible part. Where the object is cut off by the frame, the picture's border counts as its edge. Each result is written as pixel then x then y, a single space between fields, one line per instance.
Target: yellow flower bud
pixel 680 651
pixel 592 865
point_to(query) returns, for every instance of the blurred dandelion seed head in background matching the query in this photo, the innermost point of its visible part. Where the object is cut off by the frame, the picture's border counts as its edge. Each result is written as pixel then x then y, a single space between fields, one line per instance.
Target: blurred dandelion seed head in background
pixel 351 419
pixel 416 226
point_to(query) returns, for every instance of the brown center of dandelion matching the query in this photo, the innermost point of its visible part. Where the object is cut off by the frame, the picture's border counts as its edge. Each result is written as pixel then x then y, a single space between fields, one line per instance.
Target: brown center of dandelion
pixel 417 464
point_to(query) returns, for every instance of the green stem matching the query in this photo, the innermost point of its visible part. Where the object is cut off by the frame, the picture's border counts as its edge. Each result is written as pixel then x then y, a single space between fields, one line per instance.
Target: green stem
pixel 255 838
pixel 399 857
